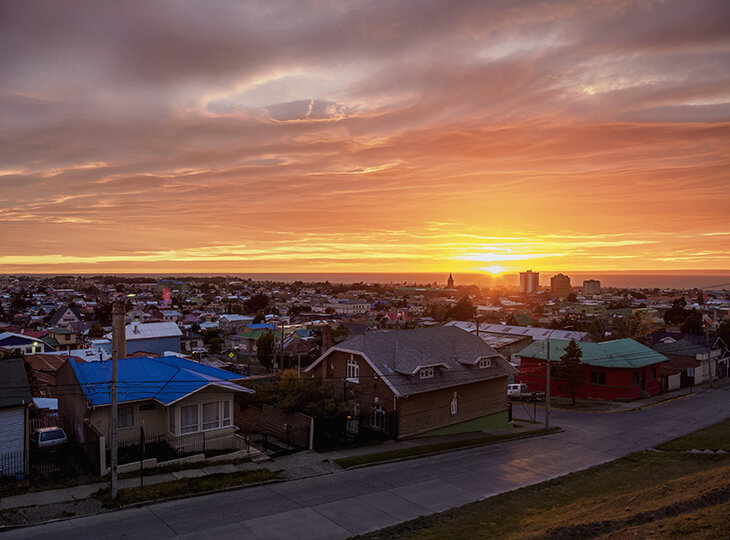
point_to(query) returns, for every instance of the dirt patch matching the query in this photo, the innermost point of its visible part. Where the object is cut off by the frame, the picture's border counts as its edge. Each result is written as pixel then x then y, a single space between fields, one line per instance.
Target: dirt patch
pixel 31 515
pixel 598 528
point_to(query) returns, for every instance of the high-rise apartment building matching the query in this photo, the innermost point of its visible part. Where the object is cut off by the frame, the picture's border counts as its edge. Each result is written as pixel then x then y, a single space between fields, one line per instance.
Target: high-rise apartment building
pixel 529 282
pixel 591 287
pixel 560 285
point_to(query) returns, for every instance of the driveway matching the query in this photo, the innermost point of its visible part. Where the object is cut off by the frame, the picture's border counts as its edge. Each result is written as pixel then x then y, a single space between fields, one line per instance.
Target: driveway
pixel 358 501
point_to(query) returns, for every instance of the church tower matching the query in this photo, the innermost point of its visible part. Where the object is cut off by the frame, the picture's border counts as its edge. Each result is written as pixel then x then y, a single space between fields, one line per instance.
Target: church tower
pixel 450 282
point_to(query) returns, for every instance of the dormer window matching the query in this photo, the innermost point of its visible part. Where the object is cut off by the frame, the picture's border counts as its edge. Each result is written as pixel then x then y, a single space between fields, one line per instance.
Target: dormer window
pixel 485 362
pixel 425 373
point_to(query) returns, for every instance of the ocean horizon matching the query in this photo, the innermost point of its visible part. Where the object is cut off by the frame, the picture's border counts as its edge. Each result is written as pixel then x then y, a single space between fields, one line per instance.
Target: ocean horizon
pixel 711 280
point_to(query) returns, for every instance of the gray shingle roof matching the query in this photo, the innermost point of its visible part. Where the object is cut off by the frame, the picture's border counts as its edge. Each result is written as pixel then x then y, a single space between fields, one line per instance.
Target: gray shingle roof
pixel 397 355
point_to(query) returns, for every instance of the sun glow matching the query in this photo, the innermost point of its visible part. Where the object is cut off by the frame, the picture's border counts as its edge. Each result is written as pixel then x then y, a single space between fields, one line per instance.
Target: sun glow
pixel 494 269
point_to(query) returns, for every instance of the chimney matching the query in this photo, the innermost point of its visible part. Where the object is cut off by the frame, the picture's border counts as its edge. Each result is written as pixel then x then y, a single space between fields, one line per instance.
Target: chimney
pixel 326 338
pixel 119 337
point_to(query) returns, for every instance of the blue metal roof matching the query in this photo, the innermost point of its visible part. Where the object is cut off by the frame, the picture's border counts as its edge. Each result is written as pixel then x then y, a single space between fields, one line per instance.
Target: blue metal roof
pixel 261 326
pixel 166 379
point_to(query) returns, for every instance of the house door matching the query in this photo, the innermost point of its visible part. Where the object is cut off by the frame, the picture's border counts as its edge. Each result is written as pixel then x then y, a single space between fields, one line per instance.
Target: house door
pixel 353 421
pixel 643 381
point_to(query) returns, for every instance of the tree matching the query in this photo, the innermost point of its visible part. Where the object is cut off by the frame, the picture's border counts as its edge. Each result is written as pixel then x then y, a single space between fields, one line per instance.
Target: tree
pixel 265 349
pixel 692 324
pixel 636 326
pixel 259 318
pixel 677 313
pixel 96 331
pixel 562 323
pixel 701 299
pixel 571 368
pixel 258 302
pixel 723 331
pixel 213 341
pixel 463 310
pixel 572 297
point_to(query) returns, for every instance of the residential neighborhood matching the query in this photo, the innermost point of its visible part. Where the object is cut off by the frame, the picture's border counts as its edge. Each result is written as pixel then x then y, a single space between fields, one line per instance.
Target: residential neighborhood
pixel 230 370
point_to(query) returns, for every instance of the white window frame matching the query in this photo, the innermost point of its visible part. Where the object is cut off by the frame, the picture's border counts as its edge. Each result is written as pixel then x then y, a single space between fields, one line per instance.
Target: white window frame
pixel 485 363
pixel 353 370
pixel 454 404
pixel 119 417
pixel 226 408
pixel 425 373
pixel 185 429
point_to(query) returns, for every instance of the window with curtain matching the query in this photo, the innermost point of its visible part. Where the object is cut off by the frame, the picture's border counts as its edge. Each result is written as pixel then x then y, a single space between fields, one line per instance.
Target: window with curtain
pixel 226 413
pixel 188 419
pixel 125 417
pixel 211 415
pixel 171 419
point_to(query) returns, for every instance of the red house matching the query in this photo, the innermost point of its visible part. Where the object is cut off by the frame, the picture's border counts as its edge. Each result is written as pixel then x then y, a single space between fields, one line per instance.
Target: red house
pixel 618 370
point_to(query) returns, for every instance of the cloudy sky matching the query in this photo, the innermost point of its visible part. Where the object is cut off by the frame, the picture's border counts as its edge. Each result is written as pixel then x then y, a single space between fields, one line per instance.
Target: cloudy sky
pixel 364 135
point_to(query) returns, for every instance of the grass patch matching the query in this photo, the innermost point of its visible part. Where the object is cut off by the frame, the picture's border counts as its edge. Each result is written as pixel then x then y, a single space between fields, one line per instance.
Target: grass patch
pixel 642 495
pixel 714 437
pixel 415 451
pixel 186 486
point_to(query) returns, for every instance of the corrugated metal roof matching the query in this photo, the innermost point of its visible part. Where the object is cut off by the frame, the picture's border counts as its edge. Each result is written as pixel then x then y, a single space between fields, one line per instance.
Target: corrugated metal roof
pixel 165 379
pixel 152 330
pixel 619 353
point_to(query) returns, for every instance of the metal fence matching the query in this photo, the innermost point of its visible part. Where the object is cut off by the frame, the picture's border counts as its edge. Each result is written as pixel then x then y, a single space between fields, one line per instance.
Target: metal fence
pixel 50 464
pixel 166 447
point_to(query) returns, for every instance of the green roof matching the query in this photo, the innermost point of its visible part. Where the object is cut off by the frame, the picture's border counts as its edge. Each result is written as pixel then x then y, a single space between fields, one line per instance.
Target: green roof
pixel 254 334
pixel 619 353
pixel 523 319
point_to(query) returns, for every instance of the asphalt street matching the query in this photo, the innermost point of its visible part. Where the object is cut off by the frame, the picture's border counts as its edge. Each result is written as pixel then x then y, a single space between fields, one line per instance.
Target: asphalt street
pixel 362 500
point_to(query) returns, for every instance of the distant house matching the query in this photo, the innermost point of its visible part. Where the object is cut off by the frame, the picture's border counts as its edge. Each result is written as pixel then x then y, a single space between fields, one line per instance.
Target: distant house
pixel 63 339
pixel 532 333
pixel 172 397
pixel 154 338
pixel 15 400
pixel 520 319
pixel 350 307
pixel 65 316
pixel 691 363
pixel 10 341
pixel 618 370
pixel 233 324
pixel 426 381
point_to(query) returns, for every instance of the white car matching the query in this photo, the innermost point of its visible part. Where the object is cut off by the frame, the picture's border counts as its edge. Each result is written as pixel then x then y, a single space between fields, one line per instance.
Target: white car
pixel 48 437
pixel 519 391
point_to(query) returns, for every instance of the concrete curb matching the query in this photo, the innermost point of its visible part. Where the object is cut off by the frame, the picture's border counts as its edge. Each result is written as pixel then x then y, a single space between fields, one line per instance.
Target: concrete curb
pixel 141 504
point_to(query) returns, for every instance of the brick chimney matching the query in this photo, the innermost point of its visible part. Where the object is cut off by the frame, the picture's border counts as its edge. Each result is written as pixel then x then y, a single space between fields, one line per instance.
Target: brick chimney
pixel 119 337
pixel 326 338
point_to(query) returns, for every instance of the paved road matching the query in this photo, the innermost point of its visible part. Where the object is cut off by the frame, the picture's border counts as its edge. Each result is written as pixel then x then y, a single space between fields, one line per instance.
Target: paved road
pixel 352 502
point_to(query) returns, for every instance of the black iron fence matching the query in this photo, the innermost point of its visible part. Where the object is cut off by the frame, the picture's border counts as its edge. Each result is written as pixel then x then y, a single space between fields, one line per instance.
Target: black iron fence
pixel 166 447
pixel 43 465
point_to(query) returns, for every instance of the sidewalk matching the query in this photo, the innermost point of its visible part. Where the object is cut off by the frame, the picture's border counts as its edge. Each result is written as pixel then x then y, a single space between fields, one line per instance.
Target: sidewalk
pixel 52 496
pixel 303 464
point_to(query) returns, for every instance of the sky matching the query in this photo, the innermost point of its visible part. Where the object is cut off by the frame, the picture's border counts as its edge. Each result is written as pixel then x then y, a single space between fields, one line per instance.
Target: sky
pixel 309 136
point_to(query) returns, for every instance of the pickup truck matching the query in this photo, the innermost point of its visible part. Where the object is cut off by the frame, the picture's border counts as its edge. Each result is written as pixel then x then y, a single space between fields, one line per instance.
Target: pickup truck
pixel 520 391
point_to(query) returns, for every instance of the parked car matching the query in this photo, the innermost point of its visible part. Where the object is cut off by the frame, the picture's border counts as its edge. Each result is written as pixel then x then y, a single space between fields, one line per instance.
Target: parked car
pixel 520 391
pixel 48 437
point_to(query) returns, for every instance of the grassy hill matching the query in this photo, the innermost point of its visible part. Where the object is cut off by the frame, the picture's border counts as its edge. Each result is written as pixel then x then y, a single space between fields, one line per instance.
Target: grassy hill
pixel 667 492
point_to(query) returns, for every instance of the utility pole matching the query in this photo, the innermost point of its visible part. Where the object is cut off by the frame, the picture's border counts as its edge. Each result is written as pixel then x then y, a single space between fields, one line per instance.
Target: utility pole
pixel 119 350
pixel 547 384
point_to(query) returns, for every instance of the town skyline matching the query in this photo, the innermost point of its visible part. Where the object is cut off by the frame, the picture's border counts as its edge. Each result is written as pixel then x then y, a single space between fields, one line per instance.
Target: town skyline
pixel 323 137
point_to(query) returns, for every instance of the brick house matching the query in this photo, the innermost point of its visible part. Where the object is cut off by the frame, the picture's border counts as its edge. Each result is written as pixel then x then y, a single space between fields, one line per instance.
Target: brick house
pixel 618 370
pixel 426 381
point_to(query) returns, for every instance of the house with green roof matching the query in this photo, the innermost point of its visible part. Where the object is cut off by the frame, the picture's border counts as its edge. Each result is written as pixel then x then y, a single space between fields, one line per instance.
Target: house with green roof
pixel 618 370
